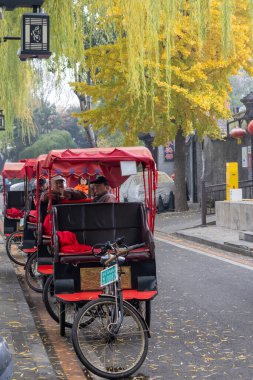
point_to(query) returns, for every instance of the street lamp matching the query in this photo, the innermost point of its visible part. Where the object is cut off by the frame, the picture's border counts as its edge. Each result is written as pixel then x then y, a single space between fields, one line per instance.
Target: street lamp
pixel 34 29
pixel 34 36
pixel 2 121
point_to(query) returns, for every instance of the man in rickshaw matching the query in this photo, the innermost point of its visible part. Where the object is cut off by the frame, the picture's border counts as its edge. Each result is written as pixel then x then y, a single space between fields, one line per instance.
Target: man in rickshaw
pixel 59 192
pixel 102 191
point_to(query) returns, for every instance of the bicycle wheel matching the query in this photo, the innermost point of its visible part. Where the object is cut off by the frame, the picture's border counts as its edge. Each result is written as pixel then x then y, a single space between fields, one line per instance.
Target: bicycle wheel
pixel 33 277
pixel 53 305
pixel 108 356
pixel 13 248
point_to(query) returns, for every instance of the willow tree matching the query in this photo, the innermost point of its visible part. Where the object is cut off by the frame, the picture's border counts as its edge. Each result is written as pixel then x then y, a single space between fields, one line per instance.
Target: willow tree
pixel 168 70
pixel 18 80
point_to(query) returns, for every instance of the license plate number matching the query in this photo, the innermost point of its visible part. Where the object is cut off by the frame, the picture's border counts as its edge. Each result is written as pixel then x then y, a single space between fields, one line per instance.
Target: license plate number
pixel 109 275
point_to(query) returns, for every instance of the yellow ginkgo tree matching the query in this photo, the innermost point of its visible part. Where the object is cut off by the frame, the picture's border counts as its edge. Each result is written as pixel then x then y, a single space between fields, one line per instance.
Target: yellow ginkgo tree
pixel 177 80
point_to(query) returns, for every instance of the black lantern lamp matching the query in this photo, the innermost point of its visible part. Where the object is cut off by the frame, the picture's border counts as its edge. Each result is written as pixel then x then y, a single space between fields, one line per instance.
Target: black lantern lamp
pixel 34 36
pixel 2 121
pixel 248 102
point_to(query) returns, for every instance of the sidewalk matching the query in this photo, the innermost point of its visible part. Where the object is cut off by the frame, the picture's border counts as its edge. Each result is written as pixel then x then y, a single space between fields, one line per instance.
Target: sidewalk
pixel 188 226
pixel 17 327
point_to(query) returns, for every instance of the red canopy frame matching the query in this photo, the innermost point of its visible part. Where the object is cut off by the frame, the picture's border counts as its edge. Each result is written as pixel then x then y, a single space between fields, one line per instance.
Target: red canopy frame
pixel 12 170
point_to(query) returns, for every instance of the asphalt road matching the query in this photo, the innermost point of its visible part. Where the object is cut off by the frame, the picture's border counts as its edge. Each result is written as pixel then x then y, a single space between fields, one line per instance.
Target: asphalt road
pixel 202 322
pixel 202 319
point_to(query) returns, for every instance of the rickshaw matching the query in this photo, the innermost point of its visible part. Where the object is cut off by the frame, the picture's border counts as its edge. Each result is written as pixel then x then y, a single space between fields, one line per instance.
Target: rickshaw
pixel 76 273
pixel 33 277
pixel 13 201
pixel 21 242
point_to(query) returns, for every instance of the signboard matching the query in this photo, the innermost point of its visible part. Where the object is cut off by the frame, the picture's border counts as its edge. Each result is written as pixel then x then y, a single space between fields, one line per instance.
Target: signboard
pixel 169 151
pixel 128 168
pixel 244 157
pixel 109 275
pixel 235 194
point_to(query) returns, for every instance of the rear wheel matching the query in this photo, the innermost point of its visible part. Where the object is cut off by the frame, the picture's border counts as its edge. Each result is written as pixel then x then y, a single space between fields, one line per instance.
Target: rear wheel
pixel 14 248
pixel 105 353
pixel 33 277
pixel 53 305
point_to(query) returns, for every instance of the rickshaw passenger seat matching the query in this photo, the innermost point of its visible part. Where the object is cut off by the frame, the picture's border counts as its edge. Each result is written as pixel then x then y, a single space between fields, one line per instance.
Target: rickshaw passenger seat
pixel 97 223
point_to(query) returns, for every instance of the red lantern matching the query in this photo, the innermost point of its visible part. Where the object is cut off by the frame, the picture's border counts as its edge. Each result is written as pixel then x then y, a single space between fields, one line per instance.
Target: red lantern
pixel 250 127
pixel 237 133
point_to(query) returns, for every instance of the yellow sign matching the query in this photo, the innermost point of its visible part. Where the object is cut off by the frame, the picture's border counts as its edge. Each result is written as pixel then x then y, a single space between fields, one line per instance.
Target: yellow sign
pixel 231 178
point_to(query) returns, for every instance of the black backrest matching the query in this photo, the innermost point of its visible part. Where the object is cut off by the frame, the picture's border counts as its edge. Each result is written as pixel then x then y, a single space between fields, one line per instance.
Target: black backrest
pixel 100 222
pixel 15 199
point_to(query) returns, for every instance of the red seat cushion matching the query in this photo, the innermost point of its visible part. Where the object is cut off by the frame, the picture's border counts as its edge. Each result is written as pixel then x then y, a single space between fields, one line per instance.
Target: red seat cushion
pixel 14 213
pixel 32 217
pixel 68 243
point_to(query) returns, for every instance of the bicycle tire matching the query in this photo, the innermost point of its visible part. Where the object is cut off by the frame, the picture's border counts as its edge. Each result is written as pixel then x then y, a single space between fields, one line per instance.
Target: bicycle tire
pixel 13 250
pixel 52 305
pixel 90 333
pixel 33 278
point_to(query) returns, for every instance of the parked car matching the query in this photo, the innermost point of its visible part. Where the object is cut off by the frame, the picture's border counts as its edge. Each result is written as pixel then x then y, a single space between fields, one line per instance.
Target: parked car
pixel 20 186
pixel 132 190
pixel 6 362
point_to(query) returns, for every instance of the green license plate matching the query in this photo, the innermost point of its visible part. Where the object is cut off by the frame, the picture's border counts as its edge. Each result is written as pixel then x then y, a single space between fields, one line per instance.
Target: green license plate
pixel 109 275
pixel 21 222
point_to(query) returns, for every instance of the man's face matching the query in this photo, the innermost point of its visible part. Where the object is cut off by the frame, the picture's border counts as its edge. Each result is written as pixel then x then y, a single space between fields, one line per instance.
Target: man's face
pixel 58 185
pixel 100 188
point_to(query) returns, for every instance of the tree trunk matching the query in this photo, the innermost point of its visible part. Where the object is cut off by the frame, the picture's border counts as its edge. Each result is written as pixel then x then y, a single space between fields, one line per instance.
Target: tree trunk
pixel 180 184
pixel 84 106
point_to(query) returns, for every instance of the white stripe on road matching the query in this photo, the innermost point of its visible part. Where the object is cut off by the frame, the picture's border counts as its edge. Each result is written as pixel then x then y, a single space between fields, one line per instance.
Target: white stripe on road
pixel 205 253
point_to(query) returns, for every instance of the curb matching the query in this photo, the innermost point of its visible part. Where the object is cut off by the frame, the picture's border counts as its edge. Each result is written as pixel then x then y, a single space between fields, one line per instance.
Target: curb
pixel 224 247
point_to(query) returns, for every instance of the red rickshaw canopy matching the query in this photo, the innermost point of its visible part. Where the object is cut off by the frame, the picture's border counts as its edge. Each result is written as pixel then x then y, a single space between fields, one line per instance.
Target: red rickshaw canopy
pixel 97 161
pixel 30 168
pixel 13 170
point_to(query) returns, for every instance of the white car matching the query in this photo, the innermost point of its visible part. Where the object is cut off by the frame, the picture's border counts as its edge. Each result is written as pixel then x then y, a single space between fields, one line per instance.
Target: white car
pixel 132 190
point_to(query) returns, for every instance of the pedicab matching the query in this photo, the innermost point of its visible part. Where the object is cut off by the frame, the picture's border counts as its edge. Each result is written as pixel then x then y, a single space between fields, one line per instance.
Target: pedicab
pixel 13 201
pixel 78 240
pixel 21 243
pixel 33 277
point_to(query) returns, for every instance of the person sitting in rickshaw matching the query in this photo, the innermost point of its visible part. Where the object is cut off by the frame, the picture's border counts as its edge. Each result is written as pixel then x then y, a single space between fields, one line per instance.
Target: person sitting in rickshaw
pixel 59 192
pixel 102 191
pixel 82 186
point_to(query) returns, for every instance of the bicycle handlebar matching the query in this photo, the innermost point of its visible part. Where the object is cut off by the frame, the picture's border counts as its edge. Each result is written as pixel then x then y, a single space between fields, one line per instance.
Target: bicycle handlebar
pixel 123 251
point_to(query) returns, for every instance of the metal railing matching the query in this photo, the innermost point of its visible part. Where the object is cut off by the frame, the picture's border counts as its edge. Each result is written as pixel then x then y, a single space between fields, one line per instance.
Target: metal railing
pixel 217 192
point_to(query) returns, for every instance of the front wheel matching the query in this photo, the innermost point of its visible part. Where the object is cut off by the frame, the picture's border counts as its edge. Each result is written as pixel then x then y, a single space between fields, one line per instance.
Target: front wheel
pixel 112 356
pixel 33 278
pixel 14 248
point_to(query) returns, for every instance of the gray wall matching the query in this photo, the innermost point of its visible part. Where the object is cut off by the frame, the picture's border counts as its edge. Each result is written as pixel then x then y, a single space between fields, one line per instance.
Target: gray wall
pixel 217 153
